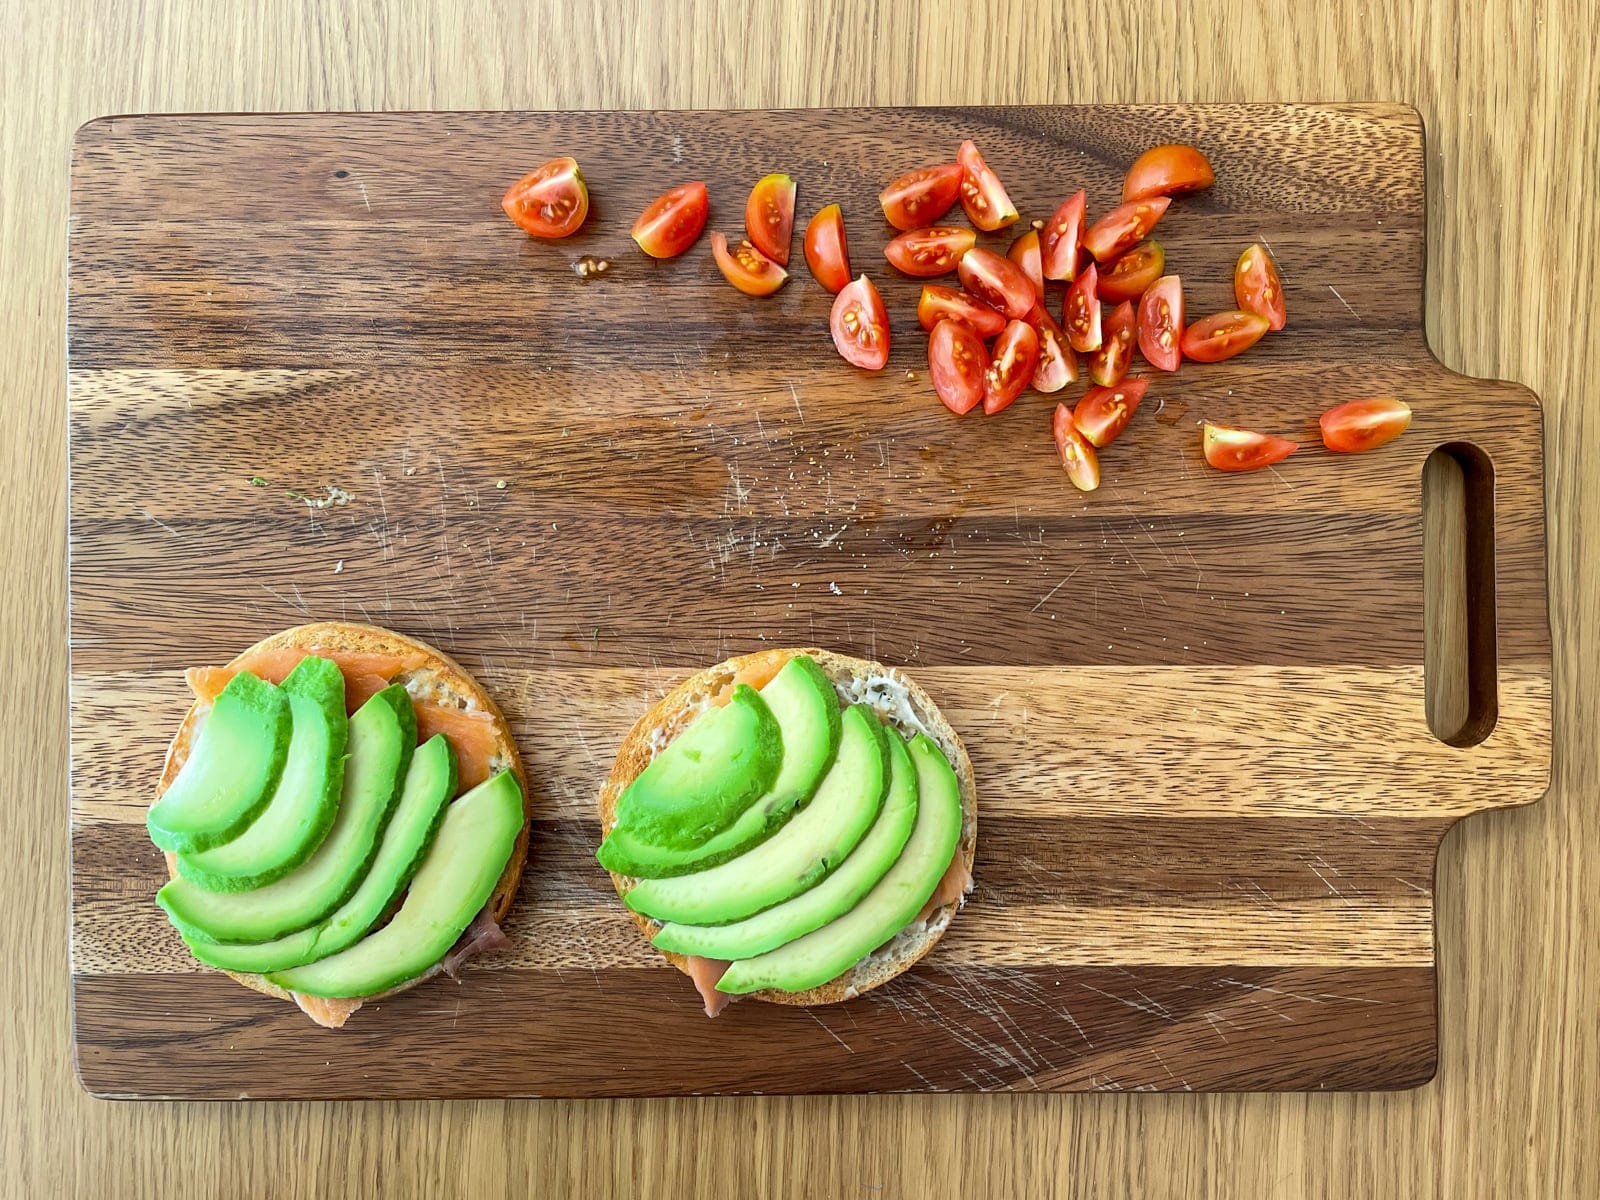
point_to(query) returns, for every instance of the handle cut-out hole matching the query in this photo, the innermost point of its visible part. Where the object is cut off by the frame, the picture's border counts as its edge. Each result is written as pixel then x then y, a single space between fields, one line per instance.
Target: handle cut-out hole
pixel 1459 658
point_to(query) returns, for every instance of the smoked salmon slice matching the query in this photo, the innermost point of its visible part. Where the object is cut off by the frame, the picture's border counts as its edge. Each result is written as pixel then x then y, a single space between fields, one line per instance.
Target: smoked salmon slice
pixel 705 972
pixel 757 674
pixel 274 665
pixel 470 731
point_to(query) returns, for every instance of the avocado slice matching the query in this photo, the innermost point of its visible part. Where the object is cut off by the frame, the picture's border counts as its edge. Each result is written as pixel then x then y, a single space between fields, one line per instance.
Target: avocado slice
pixel 814 841
pixel 231 772
pixel 455 881
pixel 802 700
pixel 430 783
pixel 303 804
pixel 896 899
pixel 383 735
pixel 838 893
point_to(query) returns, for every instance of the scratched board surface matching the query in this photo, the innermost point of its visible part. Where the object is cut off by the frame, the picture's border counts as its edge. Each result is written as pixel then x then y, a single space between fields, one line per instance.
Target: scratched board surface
pixel 315 373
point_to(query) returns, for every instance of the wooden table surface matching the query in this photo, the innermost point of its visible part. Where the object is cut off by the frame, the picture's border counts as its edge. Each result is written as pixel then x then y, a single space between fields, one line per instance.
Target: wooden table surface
pixel 1507 92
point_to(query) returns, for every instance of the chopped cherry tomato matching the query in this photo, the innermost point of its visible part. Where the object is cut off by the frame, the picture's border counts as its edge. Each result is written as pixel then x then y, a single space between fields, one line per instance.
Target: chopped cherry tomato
pixel 932 251
pixel 1173 170
pixel 1124 227
pixel 826 254
pixel 1078 458
pixel 1025 253
pixel 1161 323
pixel 860 326
pixel 982 194
pixel 997 282
pixel 958 362
pixel 1132 274
pixel 922 197
pixel 769 217
pixel 1228 448
pixel 1257 288
pixel 1364 424
pixel 1109 364
pixel 1081 314
pixel 749 270
pixel 1222 335
pixel 942 303
pixel 1016 354
pixel 1104 412
pixel 1062 238
pixel 673 221
pixel 550 201
pixel 1058 365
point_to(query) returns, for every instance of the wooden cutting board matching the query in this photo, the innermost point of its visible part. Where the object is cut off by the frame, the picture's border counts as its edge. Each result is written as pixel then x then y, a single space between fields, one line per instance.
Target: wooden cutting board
pixel 315 373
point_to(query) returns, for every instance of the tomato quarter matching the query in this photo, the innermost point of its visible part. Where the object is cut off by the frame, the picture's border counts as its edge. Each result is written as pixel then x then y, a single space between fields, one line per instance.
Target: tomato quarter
pixel 921 197
pixel 957 361
pixel 550 201
pixel 1062 238
pixel 1058 365
pixel 673 221
pixel 1171 170
pixel 1222 335
pixel 1016 354
pixel 997 282
pixel 1104 412
pixel 769 217
pixel 1160 323
pixel 1364 424
pixel 1025 253
pixel 1228 448
pixel 927 252
pixel 826 253
pixel 1124 227
pixel 1078 458
pixel 860 326
pixel 947 304
pixel 982 195
pixel 1110 363
pixel 1081 313
pixel 1257 288
pixel 1132 274
pixel 749 270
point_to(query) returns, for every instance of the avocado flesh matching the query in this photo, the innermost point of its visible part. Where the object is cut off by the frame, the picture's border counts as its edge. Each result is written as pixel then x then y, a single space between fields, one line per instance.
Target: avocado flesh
pixel 303 805
pixel 383 735
pixel 806 708
pixel 835 895
pixel 454 882
pixel 231 771
pixel 430 783
pixel 894 902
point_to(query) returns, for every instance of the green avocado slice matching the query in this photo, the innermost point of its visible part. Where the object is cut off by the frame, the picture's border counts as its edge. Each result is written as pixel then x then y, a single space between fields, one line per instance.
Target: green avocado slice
pixel 303 804
pixel 232 771
pixel 837 894
pixel 809 845
pixel 383 735
pixel 896 899
pixel 455 881
pixel 430 783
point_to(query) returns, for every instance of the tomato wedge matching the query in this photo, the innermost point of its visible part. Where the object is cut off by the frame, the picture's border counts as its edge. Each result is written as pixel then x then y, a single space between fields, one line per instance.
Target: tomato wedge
pixel 1124 227
pixel 997 282
pixel 826 254
pixel 1132 274
pixel 947 304
pixel 1229 448
pixel 1160 323
pixel 1110 363
pixel 1062 237
pixel 1222 335
pixel 923 253
pixel 1058 365
pixel 1257 288
pixel 1025 253
pixel 550 201
pixel 860 326
pixel 958 362
pixel 982 194
pixel 769 217
pixel 1364 424
pixel 1171 170
pixel 673 221
pixel 1078 458
pixel 1016 354
pixel 1104 412
pixel 921 197
pixel 1081 313
pixel 749 270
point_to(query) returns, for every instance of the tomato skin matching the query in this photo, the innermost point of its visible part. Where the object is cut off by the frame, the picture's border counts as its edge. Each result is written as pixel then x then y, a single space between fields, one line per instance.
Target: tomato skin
pixel 921 197
pixel 947 304
pixel 1363 425
pixel 1078 458
pixel 957 361
pixel 924 253
pixel 997 282
pixel 1222 335
pixel 550 201
pixel 673 221
pixel 1016 354
pixel 749 270
pixel 983 197
pixel 1104 412
pixel 1257 288
pixel 1160 323
pixel 1124 227
pixel 1080 314
pixel 1110 363
pixel 1062 237
pixel 1132 274
pixel 1229 448
pixel 860 326
pixel 1025 253
pixel 826 251
pixel 1058 365
pixel 1171 170
pixel 769 217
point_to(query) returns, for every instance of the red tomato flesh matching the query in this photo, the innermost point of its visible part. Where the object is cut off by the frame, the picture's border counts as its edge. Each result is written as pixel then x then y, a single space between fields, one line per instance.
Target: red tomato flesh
pixel 1172 170
pixel 1078 458
pixel 1062 238
pixel 958 362
pixel 924 253
pixel 921 197
pixel 1104 412
pixel 1222 335
pixel 860 326
pixel 769 217
pixel 1228 448
pixel 947 304
pixel 1160 323
pixel 1364 424
pixel 1124 227
pixel 1132 274
pixel 1257 288
pixel 1058 365
pixel 1110 363
pixel 1016 354
pixel 749 270
pixel 1081 314
pixel 550 201
pixel 1025 253
pixel 826 252
pixel 673 221
pixel 982 194
pixel 997 282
